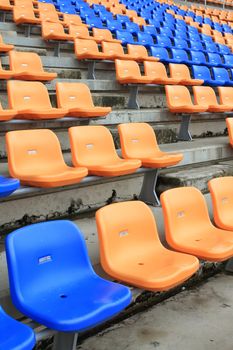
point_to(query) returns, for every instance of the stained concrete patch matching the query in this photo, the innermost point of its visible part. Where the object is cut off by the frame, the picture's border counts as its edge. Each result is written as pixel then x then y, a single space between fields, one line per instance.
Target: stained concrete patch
pixel 201 319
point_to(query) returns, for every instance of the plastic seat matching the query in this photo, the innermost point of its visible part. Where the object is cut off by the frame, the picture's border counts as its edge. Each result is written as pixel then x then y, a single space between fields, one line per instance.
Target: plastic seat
pixel 149 265
pixel 72 19
pixel 188 228
pixel 25 15
pixel 5 47
pixel 223 49
pixel 94 22
pixel 93 147
pixel 80 32
pixel 163 41
pixel 202 72
pixel 30 161
pixel 8 186
pixel 222 75
pixel 161 53
pixel 113 25
pixel 28 66
pixel 226 96
pixel 139 53
pixel 88 49
pixel 6 5
pixel 128 72
pixel 103 35
pixel 196 46
pixel 221 190
pixel 180 56
pixel 7 114
pixel 211 47
pixel 5 74
pixel 180 44
pixel 51 16
pixel 181 72
pixel 124 37
pixel 132 28
pixel 115 50
pixel 77 99
pixel 69 296
pixel 145 39
pixel 214 60
pixel 179 100
pixel 55 31
pixel 228 60
pixel 197 57
pixel 205 96
pixel 15 335
pixel 138 141
pixel 23 97
pixel 156 71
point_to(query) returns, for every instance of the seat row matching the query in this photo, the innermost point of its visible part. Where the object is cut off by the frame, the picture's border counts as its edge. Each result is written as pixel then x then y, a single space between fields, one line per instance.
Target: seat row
pixel 41 254
pixel 93 153
pixel 73 100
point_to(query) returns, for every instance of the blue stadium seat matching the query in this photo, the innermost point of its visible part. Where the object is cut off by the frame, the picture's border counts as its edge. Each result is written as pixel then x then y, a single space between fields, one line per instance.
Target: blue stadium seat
pixel 15 335
pixel 99 9
pixel 8 185
pixel 192 30
pixel 155 23
pixel 83 12
pixel 207 20
pixel 194 37
pixel 196 46
pixel 198 57
pixel 206 38
pixel 221 74
pixel 214 60
pixel 166 31
pixel 123 19
pixel 223 49
pixel 52 280
pixel 150 30
pixel 217 27
pixel 228 60
pixel 104 16
pixel 94 22
pixel 180 56
pixel 67 9
pixel 203 73
pixel 211 47
pixel 163 41
pixel 181 35
pixel 113 25
pixel 180 44
pixel 125 37
pixel 131 27
pixel 161 53
pixel 198 19
pixel 226 28
pixel 145 39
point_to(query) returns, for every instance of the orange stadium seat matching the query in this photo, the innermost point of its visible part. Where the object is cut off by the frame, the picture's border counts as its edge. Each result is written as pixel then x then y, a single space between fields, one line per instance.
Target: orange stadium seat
pixel 188 227
pixel 139 53
pixel 80 32
pixel 229 122
pixel 49 16
pixel 7 114
pixel 156 71
pixel 88 49
pixel 25 15
pixel 181 71
pixel 93 148
pixel 103 35
pixel 31 100
pixel 128 72
pixel 179 100
pixel 205 96
pixel 139 20
pixel 55 31
pixel 72 19
pixel 131 250
pixel 30 161
pixel 138 141
pixel 5 74
pixel 77 99
pixel 226 96
pixel 5 47
pixel 221 190
pixel 131 13
pixel 28 66
pixel 5 5
pixel 115 50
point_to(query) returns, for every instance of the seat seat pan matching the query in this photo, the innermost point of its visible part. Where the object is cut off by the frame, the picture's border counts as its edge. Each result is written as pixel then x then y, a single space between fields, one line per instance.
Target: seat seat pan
pixel 15 335
pixel 159 269
pixel 166 81
pixel 192 82
pixel 8 185
pixel 116 168
pixel 134 80
pixel 4 74
pixel 95 55
pixel 28 20
pixel 52 113
pixel 146 58
pixel 35 76
pixel 63 37
pixel 162 160
pixel 89 112
pixel 212 245
pixel 58 177
pixel 219 108
pixel 6 48
pixel 7 114
pixel 71 308
pixel 188 109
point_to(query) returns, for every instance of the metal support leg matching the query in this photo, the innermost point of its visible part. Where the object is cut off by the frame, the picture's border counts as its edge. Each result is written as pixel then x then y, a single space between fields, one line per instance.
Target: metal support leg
pixel 133 93
pixel 229 266
pixel 27 30
pixel 91 70
pixel 57 48
pixel 65 341
pixel 184 133
pixel 148 193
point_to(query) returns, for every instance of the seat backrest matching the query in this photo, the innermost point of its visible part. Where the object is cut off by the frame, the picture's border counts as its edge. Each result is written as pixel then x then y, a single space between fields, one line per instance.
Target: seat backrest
pixel 45 255
pixel 24 12
pixel 72 19
pixel 220 74
pixel 225 95
pixel 185 213
pixel 163 40
pixel 159 52
pixel 127 69
pixel 24 95
pixel 228 59
pixel 144 38
pixel 229 122
pixel 221 190
pixel 179 54
pixel 198 57
pixel 25 61
pixel 132 27
pixel 28 152
pixel 112 48
pixel 78 31
pixel 155 70
pixel 49 16
pixel 178 95
pixel 124 35
pixel 150 30
pixel 196 45
pixel 201 72
pixel 204 96
pixel 138 140
pixel 214 58
pixel 137 50
pixel 91 145
pixel 73 95
pixel 43 6
pixel 102 34
pixel 126 231
pixel 179 71
pixel 51 28
pixel 82 46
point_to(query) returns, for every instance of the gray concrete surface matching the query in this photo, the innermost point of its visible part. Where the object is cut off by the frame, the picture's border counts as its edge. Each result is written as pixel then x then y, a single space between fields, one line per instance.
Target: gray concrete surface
pixel 201 319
